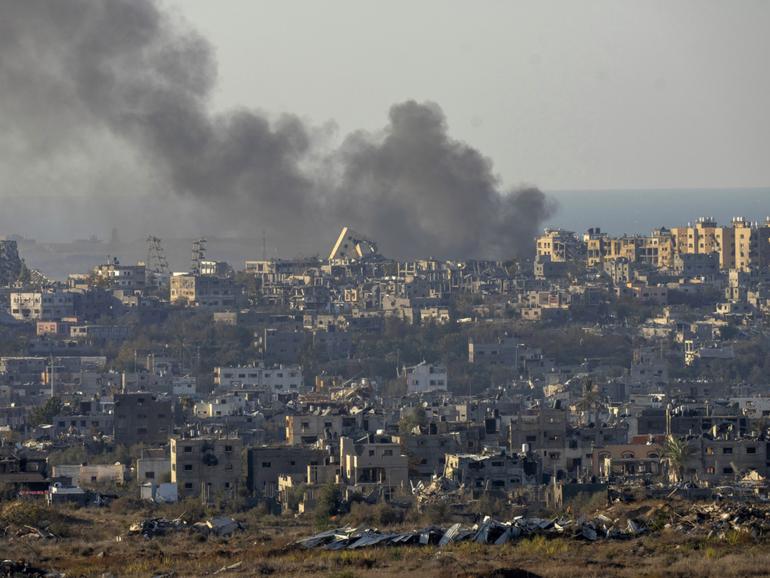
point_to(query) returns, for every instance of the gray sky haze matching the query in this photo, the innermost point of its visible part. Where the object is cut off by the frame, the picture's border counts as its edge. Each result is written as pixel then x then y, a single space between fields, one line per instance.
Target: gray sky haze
pixel 431 125
pixel 564 94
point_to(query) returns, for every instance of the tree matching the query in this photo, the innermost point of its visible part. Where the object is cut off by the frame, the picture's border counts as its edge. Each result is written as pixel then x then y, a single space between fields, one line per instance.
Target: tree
pixel 676 454
pixel 328 503
pixel 46 412
pixel 411 419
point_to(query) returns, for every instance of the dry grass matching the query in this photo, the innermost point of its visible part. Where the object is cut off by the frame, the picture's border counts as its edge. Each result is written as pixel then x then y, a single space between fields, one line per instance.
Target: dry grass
pixel 91 549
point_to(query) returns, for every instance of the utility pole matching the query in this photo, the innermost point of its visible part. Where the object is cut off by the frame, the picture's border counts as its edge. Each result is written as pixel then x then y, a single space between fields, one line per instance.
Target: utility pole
pixel 52 374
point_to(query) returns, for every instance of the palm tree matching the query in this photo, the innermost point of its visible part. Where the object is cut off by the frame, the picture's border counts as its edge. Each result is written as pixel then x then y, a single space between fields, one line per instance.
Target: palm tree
pixel 590 402
pixel 676 454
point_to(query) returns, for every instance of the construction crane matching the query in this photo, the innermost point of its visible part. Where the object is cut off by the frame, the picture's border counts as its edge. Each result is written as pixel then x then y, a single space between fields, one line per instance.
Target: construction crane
pixel 156 267
pixel 198 255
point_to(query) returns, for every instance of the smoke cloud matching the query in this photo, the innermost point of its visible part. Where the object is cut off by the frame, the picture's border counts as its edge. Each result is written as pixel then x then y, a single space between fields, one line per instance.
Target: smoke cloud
pixel 81 79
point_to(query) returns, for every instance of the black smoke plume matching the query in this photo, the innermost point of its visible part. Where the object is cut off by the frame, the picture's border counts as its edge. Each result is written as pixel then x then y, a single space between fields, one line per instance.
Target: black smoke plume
pixel 76 72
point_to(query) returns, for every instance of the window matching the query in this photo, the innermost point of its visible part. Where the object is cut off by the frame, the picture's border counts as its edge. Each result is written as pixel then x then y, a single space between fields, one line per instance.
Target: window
pixel 188 485
pixel 188 467
pixel 149 475
pixel 187 449
pixel 727 450
pixel 266 464
pixel 751 450
pixel 228 448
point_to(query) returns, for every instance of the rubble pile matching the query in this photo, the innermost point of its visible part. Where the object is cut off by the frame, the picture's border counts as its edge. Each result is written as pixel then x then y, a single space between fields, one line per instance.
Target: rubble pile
pixel 11 264
pixel 717 519
pixel 439 489
pixel 153 527
pixel 489 531
pixel 26 532
pixel 221 526
pixel 13 568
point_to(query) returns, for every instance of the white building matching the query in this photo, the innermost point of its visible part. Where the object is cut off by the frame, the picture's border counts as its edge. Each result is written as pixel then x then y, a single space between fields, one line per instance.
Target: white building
pixel 280 379
pixel 425 377
pixel 43 306
pixel 231 404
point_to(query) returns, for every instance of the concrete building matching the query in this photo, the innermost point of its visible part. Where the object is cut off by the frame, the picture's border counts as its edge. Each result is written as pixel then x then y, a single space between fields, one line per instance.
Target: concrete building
pixel 202 291
pixel 281 345
pixel 309 428
pixel 427 453
pixel 696 265
pixel 266 464
pixel 492 472
pixel 127 278
pixel 84 475
pixel 626 460
pixel 50 305
pixel 154 466
pixel 723 459
pixel 373 462
pixel 206 467
pixel 425 378
pixel 280 379
pixel 351 246
pixel 558 245
pixel 544 432
pixel 505 351
pixel 83 425
pixel 142 418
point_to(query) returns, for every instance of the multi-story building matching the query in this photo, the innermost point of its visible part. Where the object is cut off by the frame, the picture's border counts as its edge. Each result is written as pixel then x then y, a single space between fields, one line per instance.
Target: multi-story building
pixel 559 245
pixel 373 462
pixel 266 464
pixel 280 379
pixel 425 378
pixel 309 428
pixel 128 278
pixel 142 418
pixel 544 432
pixel 206 467
pixel 153 466
pixel 497 472
pixel 50 305
pixel 203 291
pixel 504 351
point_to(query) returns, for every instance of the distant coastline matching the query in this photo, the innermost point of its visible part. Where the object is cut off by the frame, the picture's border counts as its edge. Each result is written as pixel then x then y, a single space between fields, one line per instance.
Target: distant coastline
pixel 640 210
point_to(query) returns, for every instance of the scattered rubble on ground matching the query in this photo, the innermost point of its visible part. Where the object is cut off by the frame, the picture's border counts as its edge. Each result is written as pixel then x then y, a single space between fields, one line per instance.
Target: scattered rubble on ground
pixel 13 568
pixel 489 531
pixel 439 489
pixel 153 527
pixel 712 520
pixel 221 526
pixel 717 519
pixel 26 532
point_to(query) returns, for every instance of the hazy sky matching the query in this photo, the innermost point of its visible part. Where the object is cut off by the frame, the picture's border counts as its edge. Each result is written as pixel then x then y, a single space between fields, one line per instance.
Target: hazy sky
pixel 112 114
pixel 563 94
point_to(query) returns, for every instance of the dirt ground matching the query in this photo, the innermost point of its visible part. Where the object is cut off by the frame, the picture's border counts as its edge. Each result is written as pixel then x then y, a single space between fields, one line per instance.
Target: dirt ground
pixel 95 542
